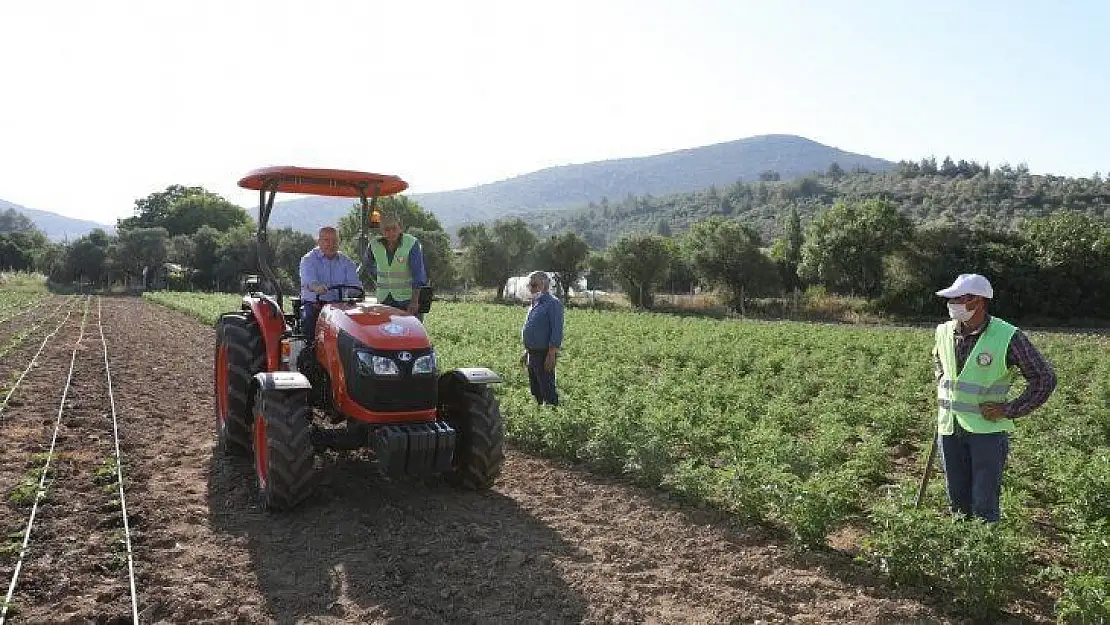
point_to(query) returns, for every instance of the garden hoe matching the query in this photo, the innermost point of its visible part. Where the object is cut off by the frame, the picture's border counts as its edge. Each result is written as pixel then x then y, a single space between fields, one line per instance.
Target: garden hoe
pixel 928 474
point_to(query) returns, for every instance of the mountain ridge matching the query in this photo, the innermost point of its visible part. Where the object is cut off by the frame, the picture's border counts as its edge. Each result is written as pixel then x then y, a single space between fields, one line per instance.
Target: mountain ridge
pixel 57 227
pixel 572 185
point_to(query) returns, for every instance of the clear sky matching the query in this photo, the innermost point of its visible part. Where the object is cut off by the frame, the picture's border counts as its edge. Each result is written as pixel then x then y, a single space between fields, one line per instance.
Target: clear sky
pixel 105 102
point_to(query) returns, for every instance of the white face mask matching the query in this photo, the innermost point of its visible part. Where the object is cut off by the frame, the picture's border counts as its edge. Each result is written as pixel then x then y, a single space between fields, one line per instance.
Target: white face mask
pixel 959 312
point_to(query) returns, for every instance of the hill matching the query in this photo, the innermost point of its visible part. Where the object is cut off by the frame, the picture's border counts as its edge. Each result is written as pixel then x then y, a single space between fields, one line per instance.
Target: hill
pixel 962 192
pixel 57 227
pixel 575 185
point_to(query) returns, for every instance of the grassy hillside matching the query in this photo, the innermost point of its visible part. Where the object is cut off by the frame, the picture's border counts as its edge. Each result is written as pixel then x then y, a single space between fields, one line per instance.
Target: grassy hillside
pixel 1002 196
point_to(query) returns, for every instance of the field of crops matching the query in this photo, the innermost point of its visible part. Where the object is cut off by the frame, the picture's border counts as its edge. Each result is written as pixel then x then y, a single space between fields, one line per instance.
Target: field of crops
pixel 819 431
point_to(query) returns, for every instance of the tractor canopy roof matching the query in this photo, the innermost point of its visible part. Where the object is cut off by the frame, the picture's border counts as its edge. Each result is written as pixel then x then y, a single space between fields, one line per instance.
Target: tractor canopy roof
pixel 334 182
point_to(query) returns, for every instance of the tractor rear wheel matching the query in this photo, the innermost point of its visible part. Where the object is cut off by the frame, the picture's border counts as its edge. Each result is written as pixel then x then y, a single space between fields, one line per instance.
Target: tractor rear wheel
pixel 283 452
pixel 239 356
pixel 480 435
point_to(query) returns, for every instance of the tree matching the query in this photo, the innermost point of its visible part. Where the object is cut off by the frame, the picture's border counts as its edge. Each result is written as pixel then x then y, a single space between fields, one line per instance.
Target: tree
pixel 601 272
pixel 287 247
pixel 139 248
pixel 50 261
pixel 206 257
pixel 85 259
pixel 19 245
pixel 726 254
pixel 640 262
pixel 237 256
pixel 1072 251
pixel 845 245
pixel 439 260
pixel 12 220
pixel 565 255
pixel 495 255
pixel 787 250
pixel 181 250
pixel 187 214
pixel 154 209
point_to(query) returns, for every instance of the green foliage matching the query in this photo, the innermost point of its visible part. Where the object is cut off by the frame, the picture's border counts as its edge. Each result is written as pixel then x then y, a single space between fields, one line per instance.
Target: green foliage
pixel 1003 197
pixel 12 220
pixel 141 247
pixel 1086 599
pixel 496 254
pixel 980 565
pixel 640 262
pixel 188 213
pixel 727 255
pixel 439 260
pixel 565 255
pixel 845 245
pixel 19 241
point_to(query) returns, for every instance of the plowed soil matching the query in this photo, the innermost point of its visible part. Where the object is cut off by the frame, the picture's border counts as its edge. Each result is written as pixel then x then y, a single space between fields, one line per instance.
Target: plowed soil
pixel 549 544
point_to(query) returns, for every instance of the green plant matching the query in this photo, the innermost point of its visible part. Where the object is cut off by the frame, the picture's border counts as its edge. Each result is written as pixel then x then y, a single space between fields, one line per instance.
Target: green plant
pixel 981 565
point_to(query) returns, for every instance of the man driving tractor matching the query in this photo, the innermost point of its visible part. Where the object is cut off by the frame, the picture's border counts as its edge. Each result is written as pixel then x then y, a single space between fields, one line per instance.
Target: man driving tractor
pixel 396 263
pixel 322 267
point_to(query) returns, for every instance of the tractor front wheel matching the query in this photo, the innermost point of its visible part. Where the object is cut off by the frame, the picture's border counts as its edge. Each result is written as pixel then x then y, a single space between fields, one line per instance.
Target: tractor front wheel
pixel 283 452
pixel 480 435
pixel 238 357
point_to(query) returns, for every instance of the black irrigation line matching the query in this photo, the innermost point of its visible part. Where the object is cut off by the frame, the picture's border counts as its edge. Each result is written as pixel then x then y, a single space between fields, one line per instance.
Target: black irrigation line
pixel 50 455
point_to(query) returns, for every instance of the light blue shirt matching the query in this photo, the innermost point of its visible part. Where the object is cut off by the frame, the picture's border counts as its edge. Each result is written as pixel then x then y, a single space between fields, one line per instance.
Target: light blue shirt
pixel 315 267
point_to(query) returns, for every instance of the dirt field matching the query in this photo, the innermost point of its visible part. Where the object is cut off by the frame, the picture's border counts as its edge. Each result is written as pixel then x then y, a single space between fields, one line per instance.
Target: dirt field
pixel 550 543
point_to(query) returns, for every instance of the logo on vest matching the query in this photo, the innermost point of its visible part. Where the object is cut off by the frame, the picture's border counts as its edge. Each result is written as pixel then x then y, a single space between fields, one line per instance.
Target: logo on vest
pixel 402 259
pixel 984 359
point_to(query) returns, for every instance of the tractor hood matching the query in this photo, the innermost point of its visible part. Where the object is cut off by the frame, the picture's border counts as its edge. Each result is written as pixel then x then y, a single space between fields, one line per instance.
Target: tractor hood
pixel 377 326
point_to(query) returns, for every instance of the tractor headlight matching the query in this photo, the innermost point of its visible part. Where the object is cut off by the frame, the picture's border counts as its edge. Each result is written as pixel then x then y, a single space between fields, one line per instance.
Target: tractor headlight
pixel 369 364
pixel 425 364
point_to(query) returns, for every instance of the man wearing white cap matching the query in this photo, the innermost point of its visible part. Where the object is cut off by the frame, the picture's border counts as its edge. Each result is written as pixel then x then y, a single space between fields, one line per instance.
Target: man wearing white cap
pixel 973 358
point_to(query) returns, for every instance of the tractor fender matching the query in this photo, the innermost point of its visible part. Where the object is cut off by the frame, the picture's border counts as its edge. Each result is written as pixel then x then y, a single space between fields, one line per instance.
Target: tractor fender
pixel 281 381
pixel 474 375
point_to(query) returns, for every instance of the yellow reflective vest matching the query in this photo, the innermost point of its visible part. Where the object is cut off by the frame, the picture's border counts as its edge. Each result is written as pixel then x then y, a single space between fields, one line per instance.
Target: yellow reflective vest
pixel 394 278
pixel 985 378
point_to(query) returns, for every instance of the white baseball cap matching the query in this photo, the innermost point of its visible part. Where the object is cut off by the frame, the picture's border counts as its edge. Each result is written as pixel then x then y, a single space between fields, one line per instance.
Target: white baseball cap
pixel 968 284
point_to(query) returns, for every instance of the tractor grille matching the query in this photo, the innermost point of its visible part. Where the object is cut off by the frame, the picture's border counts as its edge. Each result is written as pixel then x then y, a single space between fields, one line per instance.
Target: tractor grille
pixel 403 393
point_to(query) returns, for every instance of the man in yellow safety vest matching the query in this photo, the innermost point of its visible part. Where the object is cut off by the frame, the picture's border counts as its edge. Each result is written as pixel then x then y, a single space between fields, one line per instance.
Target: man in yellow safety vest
pixel 395 264
pixel 973 357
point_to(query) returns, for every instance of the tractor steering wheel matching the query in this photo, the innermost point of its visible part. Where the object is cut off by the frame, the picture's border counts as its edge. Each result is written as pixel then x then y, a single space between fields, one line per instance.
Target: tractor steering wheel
pixel 340 289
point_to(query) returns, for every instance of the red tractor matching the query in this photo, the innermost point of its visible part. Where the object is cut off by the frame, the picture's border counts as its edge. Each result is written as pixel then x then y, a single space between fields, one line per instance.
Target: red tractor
pixel 368 379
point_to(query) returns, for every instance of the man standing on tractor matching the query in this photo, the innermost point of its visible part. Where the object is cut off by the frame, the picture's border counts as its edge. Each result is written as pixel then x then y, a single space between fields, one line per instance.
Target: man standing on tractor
pixel 322 267
pixel 542 335
pixel 395 262
pixel 974 357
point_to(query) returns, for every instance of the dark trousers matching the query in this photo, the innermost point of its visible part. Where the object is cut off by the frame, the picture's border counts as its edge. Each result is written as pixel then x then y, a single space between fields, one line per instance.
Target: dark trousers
pixel 973 465
pixel 541 382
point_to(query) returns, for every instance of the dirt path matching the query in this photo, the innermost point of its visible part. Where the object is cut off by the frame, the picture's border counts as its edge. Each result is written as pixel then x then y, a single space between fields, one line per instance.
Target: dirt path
pixel 550 543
